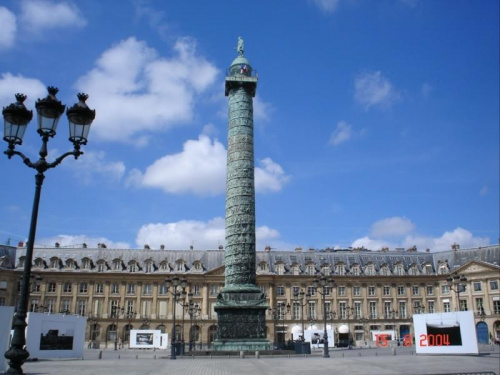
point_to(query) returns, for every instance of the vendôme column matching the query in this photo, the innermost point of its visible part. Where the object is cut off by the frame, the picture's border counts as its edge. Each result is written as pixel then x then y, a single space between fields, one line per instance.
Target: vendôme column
pixel 241 306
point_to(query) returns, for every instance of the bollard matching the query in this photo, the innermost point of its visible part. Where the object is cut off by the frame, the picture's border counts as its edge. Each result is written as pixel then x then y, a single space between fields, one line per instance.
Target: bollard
pixel 359 354
pixel 155 356
pixel 137 356
pixel 288 355
pixel 242 354
pixel 100 354
pixel 343 355
pixel 393 351
pixel 119 356
pixel 210 356
pixel 257 354
pixel 192 356
pixel 376 354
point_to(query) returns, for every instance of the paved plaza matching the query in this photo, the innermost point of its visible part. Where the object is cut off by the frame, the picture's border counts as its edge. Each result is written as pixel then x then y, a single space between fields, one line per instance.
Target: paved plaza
pixel 352 362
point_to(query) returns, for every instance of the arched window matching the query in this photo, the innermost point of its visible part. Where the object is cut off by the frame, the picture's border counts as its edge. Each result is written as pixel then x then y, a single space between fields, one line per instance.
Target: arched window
pixel 39 263
pixel 55 263
pixel 148 266
pixel 326 270
pixel 70 264
pixel 101 266
pixel 20 264
pixel 263 267
pixel 117 265
pixel 197 266
pixel 399 269
pixel 212 333
pixel 180 266
pixel 164 266
pixel 370 270
pixel 310 269
pixel 295 269
pixel 340 269
pixel 86 263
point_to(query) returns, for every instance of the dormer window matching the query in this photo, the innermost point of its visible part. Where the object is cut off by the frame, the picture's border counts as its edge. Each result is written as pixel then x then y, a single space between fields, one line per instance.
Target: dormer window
pixel 280 269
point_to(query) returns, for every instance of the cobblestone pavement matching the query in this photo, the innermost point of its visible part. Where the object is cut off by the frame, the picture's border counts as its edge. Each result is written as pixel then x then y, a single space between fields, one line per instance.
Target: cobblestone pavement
pixel 352 362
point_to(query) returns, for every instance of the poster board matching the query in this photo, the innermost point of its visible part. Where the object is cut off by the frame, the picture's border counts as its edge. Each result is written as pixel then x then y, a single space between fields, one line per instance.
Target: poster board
pixel 6 315
pixel 445 333
pixel 55 335
pixel 145 339
pixel 315 335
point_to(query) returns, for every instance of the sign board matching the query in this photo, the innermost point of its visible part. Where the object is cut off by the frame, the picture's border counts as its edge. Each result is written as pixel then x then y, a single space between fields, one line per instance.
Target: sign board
pixel 55 335
pixel 6 314
pixel 445 333
pixel 315 337
pixel 145 339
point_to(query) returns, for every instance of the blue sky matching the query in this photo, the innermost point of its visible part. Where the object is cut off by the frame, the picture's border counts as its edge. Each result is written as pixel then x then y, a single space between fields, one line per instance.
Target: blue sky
pixel 376 122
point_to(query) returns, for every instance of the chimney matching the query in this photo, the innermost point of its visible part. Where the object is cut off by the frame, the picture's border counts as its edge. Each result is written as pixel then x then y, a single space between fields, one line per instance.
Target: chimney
pixel 427 250
pixel 298 249
pixel 162 247
pixel 84 245
pixel 57 244
pixel 191 247
pixel 221 247
pixel 311 250
pixel 146 247
pixel 20 244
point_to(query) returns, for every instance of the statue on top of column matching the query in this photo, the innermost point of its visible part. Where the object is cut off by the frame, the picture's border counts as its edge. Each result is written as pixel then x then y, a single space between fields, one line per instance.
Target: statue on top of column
pixel 241 46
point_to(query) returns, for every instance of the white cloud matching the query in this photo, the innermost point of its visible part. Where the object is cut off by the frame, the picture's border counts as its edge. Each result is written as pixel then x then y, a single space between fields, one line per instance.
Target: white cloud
pixel 396 232
pixel 461 236
pixel 140 92
pixel 269 176
pixel 201 235
pixel 68 240
pixel 200 169
pixel 40 15
pixel 327 6
pixel 10 85
pixel 372 89
pixel 8 28
pixel 261 110
pixel 370 243
pixel 93 164
pixel 392 227
pixel 342 133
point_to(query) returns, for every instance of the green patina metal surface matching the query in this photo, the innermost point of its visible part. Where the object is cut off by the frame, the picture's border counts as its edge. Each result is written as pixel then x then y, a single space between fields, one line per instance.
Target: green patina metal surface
pixel 241 306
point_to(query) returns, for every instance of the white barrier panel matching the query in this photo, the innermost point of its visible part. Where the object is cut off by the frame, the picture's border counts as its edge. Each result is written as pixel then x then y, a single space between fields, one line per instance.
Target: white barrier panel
pixel 55 335
pixel 445 333
pixel 145 338
pixel 6 314
pixel 315 337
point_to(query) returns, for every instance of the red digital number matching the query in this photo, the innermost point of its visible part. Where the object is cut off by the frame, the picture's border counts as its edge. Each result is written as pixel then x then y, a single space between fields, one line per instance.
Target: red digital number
pixel 407 340
pixel 423 339
pixel 434 340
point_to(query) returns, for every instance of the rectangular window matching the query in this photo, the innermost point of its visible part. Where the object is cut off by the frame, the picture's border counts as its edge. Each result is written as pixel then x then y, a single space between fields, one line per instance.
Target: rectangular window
pixel 415 290
pixel 115 288
pixel 295 290
pixel 430 307
pixel 493 285
pixel 312 310
pixel 401 290
pixel 429 290
pixel 387 290
pixel 130 288
pixel 34 305
pixel 162 290
pixel 99 288
pixel 214 289
pixel 479 306
pixel 328 291
pixel 496 307
pixel 356 291
pixel 403 313
pixel 196 290
pixel 113 308
pixel 130 307
pixel 477 286
pixel 146 289
pixel 311 291
pixel 2 301
pixel 342 310
pixel 341 290
pixel 81 307
pixel 83 288
pixel 371 290
pixel 387 310
pixel 357 310
pixel 446 307
pixel 51 288
pixel 67 288
pixel 463 305
pixel 373 310
pixel 280 290
pixel 296 311
pixel 445 289
pixel 65 306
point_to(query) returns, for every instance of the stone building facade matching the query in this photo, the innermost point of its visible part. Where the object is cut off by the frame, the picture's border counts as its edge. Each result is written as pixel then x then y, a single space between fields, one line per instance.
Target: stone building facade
pixel 373 291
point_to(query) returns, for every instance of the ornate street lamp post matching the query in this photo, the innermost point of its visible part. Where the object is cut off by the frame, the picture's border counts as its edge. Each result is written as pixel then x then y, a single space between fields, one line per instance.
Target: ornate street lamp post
pixel 185 309
pixel 348 312
pixel 301 300
pixel 16 119
pixel 321 286
pixel 91 320
pixel 116 312
pixel 457 283
pixel 193 311
pixel 178 288
pixel 363 322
